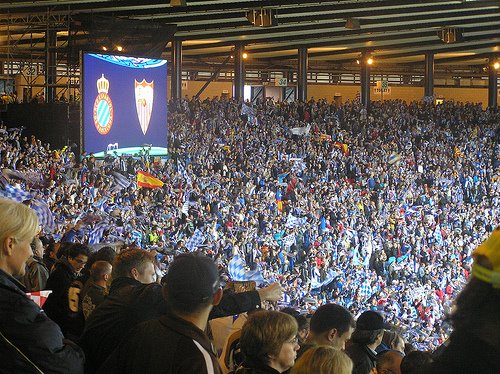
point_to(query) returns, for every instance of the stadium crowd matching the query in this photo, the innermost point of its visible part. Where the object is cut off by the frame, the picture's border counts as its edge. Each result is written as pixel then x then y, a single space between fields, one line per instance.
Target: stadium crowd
pixel 376 211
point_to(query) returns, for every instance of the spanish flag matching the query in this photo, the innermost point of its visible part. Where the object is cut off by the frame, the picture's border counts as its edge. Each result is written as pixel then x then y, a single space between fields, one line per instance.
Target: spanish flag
pixel 146 180
pixel 325 137
pixel 344 147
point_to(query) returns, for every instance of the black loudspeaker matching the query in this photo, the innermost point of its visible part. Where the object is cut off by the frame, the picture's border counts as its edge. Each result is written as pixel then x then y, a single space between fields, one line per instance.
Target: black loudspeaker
pixel 262 17
pixel 450 34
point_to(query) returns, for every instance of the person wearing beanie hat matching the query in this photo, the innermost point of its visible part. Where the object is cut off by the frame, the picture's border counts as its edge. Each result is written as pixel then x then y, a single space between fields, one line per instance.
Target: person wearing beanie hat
pixel 474 345
pixel 175 342
pixel 331 325
pixel 364 340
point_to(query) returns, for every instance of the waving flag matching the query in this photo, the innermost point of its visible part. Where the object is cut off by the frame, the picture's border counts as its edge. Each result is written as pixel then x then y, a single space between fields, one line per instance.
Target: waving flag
pixel 438 236
pixel 95 235
pixel 195 241
pixel 457 152
pixel 120 181
pixel 146 180
pixel 344 147
pixel 301 130
pixel 316 281
pixel 365 290
pixel 394 158
pixel 45 217
pixel 293 221
pixel 298 167
pixel 325 137
pixel 183 172
pixel 289 240
pixel 15 193
pixel 237 271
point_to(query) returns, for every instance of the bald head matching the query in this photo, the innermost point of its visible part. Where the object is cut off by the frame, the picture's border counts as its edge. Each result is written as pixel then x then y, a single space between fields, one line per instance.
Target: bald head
pixel 100 271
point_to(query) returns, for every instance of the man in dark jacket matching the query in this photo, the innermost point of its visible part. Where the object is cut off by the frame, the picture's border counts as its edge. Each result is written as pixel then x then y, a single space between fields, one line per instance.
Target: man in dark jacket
pixel 366 337
pixel 30 342
pixel 176 342
pixel 57 306
pixel 37 273
pixel 134 298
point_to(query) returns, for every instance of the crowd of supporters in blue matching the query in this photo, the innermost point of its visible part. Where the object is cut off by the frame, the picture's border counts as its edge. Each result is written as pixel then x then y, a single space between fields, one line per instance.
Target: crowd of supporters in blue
pixel 375 212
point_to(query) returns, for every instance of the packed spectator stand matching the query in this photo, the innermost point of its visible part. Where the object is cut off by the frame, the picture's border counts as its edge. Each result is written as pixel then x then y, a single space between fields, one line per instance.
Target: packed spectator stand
pixel 376 210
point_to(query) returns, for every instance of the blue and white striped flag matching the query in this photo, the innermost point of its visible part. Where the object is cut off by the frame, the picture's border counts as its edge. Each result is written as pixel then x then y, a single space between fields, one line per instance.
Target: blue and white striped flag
pixel 316 281
pixel 438 236
pixel 14 193
pixel 293 221
pixel 136 236
pixel 394 158
pixel 288 240
pixel 248 110
pixel 298 167
pixel 120 181
pixel 100 203
pixel 238 273
pixel 183 172
pixel 365 290
pixel 95 235
pixel 195 241
pixel 45 217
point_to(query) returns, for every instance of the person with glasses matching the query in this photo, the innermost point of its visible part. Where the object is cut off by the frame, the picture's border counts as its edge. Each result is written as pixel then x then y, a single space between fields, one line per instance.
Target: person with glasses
pixel 269 343
pixel 62 278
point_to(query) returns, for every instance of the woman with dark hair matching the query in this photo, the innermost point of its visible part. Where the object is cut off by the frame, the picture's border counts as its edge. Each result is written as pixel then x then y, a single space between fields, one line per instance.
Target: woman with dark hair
pixel 269 343
pixel 474 345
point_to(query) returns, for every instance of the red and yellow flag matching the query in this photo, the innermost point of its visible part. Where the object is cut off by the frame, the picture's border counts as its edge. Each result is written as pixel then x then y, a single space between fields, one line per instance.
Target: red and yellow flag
pixel 146 180
pixel 344 147
pixel 325 137
pixel 457 152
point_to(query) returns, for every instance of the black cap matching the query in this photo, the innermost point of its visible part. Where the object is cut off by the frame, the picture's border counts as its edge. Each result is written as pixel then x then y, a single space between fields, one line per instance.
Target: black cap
pixel 370 321
pixel 192 278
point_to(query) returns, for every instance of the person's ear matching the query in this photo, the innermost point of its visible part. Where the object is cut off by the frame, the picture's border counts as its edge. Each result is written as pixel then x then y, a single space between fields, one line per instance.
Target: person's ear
pixel 331 334
pixel 8 245
pixel 134 273
pixel 217 297
pixel 107 276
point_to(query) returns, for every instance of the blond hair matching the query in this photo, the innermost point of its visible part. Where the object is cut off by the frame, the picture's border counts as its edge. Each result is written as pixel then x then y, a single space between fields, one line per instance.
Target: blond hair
pixel 323 359
pixel 17 220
